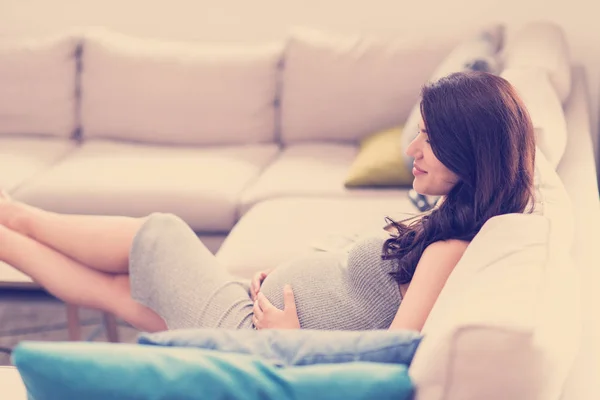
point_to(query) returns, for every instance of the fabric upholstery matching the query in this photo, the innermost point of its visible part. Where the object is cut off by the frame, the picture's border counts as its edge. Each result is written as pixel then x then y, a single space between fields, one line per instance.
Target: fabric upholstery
pixel 501 301
pixel 201 185
pixel 178 92
pixel 127 371
pixel 309 170
pixel 380 162
pixel 278 230
pixel 577 170
pixel 38 81
pixel 542 44
pixel 340 88
pixel 285 347
pixel 544 106
pixel 22 159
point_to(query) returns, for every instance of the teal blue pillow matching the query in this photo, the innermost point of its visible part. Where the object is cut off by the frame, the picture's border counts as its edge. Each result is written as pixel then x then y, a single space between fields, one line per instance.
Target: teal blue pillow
pixel 84 370
pixel 298 347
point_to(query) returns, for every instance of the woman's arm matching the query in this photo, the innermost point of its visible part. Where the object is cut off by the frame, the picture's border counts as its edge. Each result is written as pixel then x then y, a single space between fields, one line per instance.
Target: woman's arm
pixel 434 268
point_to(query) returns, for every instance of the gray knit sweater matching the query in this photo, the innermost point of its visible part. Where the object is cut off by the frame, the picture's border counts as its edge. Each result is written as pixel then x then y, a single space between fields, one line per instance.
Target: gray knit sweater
pixel 339 291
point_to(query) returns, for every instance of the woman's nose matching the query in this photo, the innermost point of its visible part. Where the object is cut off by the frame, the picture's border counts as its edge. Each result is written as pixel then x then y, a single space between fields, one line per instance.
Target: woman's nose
pixel 413 148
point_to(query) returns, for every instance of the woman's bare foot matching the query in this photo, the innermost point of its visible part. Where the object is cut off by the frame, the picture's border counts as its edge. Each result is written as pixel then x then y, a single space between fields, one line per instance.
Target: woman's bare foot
pixel 13 213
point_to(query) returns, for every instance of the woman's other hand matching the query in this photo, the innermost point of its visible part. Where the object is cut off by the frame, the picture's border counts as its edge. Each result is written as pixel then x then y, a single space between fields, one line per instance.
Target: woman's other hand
pixel 267 316
pixel 257 280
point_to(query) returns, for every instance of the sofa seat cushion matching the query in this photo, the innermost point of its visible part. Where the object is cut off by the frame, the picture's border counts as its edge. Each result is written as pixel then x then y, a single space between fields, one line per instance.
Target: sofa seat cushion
pixel 310 170
pixel 23 158
pixel 277 230
pixel 202 185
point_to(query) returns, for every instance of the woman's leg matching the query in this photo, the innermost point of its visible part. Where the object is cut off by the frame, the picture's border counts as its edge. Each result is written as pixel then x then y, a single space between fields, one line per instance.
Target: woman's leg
pixel 99 242
pixel 75 283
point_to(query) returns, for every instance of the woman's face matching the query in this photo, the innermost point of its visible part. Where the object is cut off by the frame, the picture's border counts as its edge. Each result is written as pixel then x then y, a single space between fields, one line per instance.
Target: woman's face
pixel 431 176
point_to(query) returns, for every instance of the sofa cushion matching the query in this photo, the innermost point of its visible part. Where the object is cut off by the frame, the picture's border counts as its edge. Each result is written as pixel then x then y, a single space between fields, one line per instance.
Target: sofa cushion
pixel 275 231
pixel 287 347
pixel 544 106
pixel 309 170
pixel 24 158
pixel 343 87
pixel 38 78
pixel 577 170
pixel 474 52
pixel 380 162
pixel 98 371
pixel 180 93
pixel 541 44
pixel 201 185
pixel 510 308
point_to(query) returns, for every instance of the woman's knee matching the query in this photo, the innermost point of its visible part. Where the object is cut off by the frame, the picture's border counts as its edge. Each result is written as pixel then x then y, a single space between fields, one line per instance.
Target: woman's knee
pixel 165 220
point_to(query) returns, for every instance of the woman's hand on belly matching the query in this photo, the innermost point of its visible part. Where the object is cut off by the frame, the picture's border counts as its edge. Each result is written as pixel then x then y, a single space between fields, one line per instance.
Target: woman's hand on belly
pixel 257 280
pixel 267 316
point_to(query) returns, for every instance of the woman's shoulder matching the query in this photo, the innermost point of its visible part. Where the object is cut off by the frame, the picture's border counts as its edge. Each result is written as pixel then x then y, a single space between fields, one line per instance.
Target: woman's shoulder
pixel 447 247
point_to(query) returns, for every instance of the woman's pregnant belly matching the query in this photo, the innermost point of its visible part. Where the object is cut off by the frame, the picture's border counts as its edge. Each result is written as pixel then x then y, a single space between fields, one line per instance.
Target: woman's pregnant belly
pixel 325 295
pixel 319 282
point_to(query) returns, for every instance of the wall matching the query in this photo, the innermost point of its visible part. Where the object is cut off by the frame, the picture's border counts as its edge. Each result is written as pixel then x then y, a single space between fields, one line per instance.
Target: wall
pixel 246 21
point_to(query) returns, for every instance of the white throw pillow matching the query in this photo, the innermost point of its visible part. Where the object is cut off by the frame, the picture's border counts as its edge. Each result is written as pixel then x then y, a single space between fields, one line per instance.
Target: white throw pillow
pixel 544 106
pixel 342 88
pixel 175 92
pixel 507 323
pixel 542 44
pixel 481 47
pixel 38 80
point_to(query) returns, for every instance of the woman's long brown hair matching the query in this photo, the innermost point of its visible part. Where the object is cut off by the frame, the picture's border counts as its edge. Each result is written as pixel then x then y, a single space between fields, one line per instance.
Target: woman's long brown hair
pixel 478 128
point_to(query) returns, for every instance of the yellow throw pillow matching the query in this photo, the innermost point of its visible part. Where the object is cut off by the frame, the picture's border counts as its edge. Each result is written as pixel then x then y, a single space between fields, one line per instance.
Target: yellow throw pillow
pixel 380 162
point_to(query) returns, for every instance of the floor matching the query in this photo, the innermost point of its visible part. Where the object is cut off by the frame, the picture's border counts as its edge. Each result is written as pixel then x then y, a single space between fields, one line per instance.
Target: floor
pixel 35 315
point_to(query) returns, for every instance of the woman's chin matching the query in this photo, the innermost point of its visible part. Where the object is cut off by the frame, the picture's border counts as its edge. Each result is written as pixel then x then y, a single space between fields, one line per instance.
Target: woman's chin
pixel 419 187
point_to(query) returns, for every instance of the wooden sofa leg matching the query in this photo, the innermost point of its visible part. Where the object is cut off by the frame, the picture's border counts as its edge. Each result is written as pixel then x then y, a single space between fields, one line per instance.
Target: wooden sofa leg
pixel 73 324
pixel 110 325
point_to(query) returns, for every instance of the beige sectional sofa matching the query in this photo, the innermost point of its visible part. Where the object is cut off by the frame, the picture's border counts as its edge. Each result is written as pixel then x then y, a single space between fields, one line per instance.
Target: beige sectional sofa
pixel 252 145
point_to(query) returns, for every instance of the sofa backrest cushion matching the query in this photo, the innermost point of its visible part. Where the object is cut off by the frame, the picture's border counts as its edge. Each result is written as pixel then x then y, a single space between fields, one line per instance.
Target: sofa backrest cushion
pixel 545 108
pixel 38 81
pixel 341 88
pixel 507 322
pixel 178 93
pixel 541 44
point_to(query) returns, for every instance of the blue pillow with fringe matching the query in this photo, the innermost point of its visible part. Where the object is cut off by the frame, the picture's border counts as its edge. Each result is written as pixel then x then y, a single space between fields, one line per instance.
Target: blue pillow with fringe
pixel 94 371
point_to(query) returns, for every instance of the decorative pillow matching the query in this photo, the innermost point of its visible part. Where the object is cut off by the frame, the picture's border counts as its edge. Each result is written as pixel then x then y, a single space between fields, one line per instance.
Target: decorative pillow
pixel 475 53
pixel 38 79
pixel 544 106
pixel 153 91
pixel 380 162
pixel 80 370
pixel 342 88
pixel 298 347
pixel 542 44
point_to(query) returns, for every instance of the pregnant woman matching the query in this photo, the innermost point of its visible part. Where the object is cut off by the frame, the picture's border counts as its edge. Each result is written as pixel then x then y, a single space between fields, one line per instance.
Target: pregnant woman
pixel 474 147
